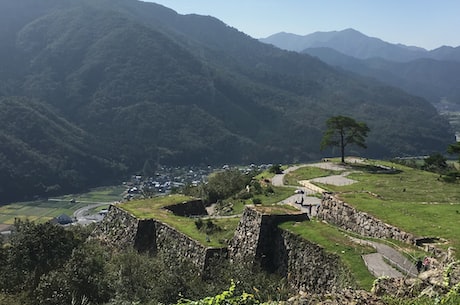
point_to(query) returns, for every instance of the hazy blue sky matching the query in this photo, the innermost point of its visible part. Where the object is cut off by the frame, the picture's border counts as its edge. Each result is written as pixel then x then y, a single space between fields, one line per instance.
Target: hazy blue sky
pixel 425 23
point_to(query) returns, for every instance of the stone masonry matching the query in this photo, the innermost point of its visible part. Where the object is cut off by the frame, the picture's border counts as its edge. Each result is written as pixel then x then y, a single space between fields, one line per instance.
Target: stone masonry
pixel 257 241
pixel 341 214
pixel 121 230
pixel 307 266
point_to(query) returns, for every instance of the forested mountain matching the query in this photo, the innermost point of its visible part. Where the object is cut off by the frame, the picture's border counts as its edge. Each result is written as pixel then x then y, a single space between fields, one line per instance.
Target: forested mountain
pixel 108 85
pixel 432 79
pixel 42 153
pixel 433 75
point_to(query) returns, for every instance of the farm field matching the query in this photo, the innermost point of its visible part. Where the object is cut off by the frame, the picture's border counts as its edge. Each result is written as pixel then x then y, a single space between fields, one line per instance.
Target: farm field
pixel 45 210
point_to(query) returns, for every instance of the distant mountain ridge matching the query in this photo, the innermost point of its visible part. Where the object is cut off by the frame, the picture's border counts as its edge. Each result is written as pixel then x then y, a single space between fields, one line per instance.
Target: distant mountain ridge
pixel 434 74
pixel 353 43
pixel 433 79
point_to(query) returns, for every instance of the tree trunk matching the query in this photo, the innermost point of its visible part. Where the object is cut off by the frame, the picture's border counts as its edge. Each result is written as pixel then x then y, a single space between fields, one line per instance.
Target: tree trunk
pixel 342 147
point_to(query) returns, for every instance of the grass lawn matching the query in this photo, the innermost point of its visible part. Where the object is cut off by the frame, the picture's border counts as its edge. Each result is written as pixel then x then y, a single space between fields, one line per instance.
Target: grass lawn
pixel 334 241
pixel 413 200
pixel 279 194
pixel 307 173
pixel 153 209
pixel 266 174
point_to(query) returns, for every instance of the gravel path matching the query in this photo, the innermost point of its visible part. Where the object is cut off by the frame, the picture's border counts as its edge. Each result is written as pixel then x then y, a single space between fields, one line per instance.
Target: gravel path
pixel 398 265
pixel 378 267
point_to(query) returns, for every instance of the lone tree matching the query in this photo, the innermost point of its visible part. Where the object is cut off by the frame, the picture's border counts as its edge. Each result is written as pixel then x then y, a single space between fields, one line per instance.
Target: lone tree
pixel 342 131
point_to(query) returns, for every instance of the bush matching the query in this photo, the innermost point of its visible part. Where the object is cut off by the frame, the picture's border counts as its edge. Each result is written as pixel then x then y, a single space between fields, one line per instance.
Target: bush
pixel 275 169
pixel 199 223
pixel 244 195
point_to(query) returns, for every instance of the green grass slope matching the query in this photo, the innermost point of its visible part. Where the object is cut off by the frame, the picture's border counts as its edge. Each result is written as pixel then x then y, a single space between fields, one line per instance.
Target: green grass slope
pixel 415 201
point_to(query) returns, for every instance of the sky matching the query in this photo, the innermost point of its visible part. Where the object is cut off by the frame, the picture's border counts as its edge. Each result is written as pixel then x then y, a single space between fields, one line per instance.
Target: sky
pixel 423 23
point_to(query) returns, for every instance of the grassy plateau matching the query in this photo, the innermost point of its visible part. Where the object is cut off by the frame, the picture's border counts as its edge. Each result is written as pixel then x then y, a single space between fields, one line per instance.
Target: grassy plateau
pixel 415 201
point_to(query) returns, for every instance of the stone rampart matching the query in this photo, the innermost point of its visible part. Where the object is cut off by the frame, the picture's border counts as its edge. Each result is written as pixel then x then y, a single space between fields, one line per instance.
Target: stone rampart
pixel 255 235
pixel 243 246
pixel 307 266
pixel 178 246
pixel 257 241
pixel 121 230
pixel 117 230
pixel 341 214
pixel 189 208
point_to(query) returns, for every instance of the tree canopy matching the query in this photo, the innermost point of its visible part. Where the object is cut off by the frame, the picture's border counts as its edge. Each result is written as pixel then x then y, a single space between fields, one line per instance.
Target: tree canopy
pixel 343 131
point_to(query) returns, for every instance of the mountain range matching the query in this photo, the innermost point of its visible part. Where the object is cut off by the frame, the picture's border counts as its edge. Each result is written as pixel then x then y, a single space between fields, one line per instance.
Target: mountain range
pixel 354 43
pixel 90 90
pixel 433 74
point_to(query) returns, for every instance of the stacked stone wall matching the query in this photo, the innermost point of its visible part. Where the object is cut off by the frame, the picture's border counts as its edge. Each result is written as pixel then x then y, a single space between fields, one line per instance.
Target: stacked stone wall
pixel 341 214
pixel 189 208
pixel 121 230
pixel 243 246
pixel 178 246
pixel 257 240
pixel 308 267
pixel 117 230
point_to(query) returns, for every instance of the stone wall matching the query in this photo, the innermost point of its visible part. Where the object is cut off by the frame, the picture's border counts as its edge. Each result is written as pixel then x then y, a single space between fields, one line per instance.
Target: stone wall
pixel 121 230
pixel 257 241
pixel 307 267
pixel 178 246
pixel 343 215
pixel 255 235
pixel 189 208
pixel 117 230
pixel 243 246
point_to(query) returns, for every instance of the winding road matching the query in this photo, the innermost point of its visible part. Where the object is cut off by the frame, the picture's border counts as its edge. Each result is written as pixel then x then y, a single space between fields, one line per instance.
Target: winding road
pixel 81 215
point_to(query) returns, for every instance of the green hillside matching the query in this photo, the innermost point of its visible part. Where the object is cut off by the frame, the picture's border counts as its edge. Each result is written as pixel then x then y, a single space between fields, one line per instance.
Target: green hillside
pixel 44 154
pixel 141 82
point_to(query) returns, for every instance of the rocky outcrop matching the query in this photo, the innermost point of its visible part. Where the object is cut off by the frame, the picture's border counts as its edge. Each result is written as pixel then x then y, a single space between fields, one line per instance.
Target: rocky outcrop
pixel 341 214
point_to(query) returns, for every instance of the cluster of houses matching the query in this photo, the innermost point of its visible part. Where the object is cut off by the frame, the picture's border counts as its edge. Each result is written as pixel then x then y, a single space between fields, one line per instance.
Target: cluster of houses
pixel 165 180
pixel 168 178
pixel 162 182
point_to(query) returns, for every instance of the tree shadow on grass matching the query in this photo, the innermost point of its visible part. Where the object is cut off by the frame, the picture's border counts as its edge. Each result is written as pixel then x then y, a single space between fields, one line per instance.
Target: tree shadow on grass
pixel 375 169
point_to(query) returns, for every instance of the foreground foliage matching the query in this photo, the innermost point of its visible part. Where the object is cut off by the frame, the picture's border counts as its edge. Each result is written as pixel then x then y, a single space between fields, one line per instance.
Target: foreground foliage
pixel 225 297
pixel 47 264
